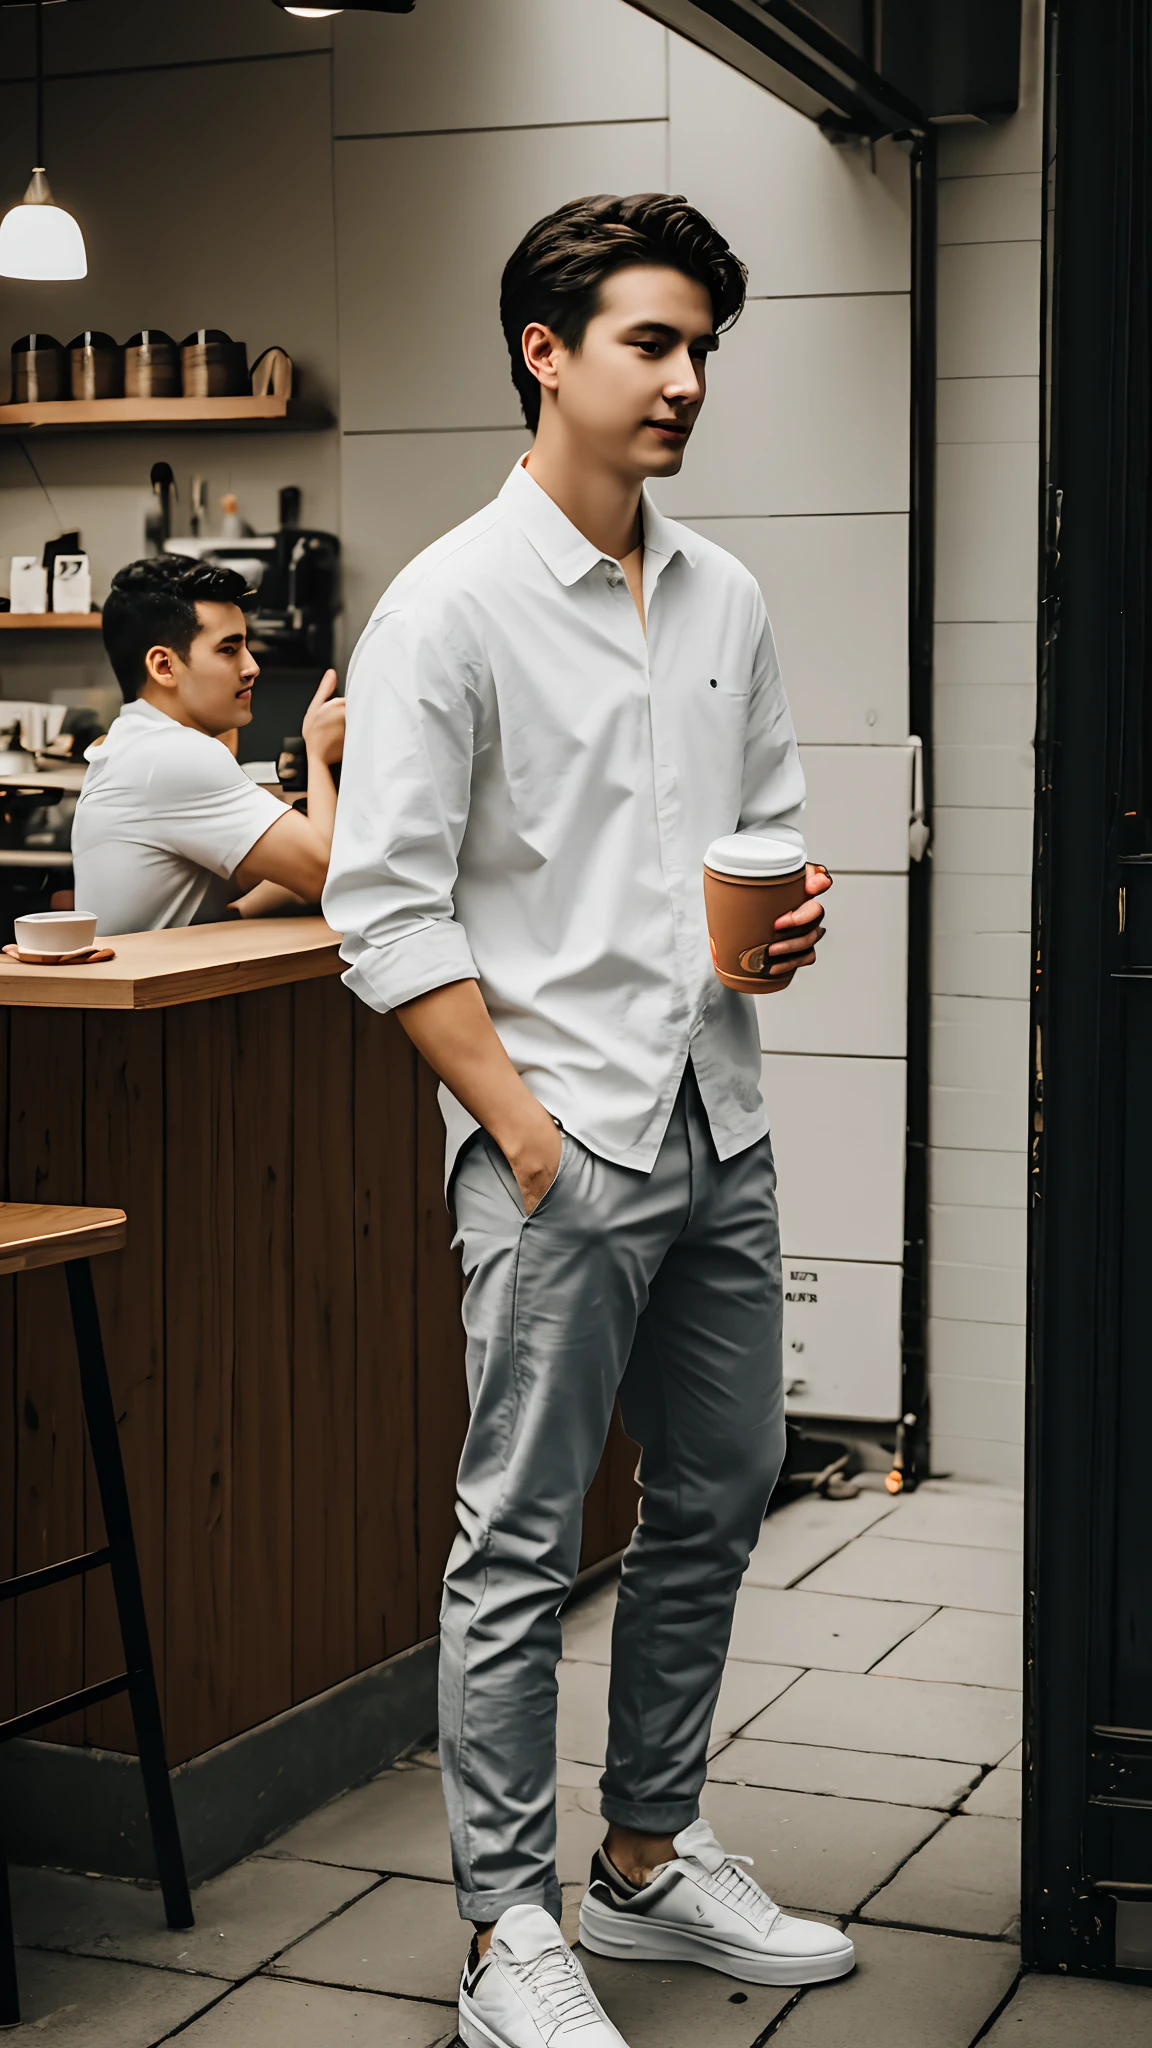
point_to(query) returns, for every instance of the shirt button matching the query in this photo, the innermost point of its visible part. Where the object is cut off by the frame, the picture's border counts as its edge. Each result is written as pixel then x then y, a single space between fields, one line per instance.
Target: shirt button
pixel 615 578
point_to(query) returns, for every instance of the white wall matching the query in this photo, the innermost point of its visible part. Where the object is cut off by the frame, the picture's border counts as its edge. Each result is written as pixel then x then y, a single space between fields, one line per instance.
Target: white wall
pixel 194 144
pixel 457 129
pixel 986 584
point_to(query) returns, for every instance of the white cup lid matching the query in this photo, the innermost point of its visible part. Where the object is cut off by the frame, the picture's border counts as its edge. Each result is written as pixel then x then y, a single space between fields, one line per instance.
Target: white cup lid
pixel 758 855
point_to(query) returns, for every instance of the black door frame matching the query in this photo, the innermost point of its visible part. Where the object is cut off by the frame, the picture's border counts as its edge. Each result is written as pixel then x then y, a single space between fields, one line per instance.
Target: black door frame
pixel 1087 1847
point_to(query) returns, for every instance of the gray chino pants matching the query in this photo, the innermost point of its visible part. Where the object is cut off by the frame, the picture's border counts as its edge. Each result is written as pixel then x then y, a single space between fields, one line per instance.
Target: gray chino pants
pixel 664 1288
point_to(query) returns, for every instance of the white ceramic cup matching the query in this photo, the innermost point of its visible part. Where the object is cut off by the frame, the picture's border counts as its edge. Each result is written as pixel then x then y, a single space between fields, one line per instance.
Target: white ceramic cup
pixel 51 934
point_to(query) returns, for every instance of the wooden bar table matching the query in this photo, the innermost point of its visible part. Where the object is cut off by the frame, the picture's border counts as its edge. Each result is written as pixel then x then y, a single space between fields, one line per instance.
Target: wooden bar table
pixel 283 1337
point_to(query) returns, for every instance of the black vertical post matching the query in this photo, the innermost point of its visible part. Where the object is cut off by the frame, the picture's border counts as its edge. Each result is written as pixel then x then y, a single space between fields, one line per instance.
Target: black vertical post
pixel 109 1467
pixel 9 1987
pixel 921 632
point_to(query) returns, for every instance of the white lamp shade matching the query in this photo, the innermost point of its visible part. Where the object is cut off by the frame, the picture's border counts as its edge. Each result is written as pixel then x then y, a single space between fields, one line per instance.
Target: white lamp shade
pixel 41 242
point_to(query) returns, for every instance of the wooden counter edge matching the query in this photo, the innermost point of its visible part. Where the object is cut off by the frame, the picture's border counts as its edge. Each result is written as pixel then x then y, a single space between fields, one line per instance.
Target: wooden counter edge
pixel 148 974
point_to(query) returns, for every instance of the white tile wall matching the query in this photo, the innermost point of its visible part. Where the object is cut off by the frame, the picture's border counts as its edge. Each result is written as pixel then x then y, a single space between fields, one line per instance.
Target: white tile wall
pixel 987 408
pixel 424 226
pixel 807 412
pixel 837 595
pixel 990 209
pixel 462 125
pixel 838 1138
pixel 805 217
pixel 855 999
pixel 859 800
pixel 982 842
pixel 989 292
pixel 470 64
pixel 986 586
pixel 402 491
pixel 986 519
pixel 842 1338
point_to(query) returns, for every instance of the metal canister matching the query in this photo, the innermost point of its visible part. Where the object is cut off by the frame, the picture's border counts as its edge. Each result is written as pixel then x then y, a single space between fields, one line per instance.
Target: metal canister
pixel 151 365
pixel 212 365
pixel 39 369
pixel 97 369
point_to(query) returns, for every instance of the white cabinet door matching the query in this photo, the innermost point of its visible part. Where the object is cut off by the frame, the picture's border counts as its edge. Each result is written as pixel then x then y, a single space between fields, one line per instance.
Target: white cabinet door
pixel 842 1339
pixel 855 998
pixel 838 1138
pixel 859 803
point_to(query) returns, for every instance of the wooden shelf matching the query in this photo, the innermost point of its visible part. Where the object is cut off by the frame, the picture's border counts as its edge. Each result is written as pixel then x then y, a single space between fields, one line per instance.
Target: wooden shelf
pixel 69 415
pixel 50 622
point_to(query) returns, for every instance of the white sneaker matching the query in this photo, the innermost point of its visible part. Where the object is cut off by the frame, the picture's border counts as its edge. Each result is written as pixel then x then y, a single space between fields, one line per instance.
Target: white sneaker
pixel 702 1909
pixel 530 1991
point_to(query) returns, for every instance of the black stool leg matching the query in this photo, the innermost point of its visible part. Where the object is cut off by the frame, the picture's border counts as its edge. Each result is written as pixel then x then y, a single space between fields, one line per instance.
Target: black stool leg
pixel 9 1988
pixel 105 1441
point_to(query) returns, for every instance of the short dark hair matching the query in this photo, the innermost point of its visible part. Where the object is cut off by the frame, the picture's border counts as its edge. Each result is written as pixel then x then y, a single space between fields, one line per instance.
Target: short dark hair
pixel 556 273
pixel 152 603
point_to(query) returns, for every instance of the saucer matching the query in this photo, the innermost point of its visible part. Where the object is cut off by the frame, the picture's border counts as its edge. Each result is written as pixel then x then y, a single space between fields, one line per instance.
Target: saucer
pixel 86 957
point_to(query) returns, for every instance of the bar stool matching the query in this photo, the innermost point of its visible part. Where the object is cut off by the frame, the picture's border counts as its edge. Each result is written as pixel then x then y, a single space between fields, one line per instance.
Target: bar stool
pixel 43 1234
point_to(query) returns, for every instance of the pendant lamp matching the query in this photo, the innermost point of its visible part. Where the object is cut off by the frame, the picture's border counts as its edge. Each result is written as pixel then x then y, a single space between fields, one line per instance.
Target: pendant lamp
pixel 39 239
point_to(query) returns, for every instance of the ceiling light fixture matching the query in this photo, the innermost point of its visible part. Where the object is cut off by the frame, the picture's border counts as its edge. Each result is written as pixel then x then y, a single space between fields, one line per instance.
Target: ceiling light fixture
pixel 39 239
pixel 350 7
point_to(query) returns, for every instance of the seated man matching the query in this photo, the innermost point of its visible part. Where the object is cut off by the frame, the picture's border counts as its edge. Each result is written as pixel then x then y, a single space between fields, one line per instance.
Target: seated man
pixel 168 829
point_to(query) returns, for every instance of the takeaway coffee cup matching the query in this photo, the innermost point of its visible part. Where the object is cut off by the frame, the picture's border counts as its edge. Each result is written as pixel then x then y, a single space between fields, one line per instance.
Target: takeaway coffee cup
pixel 750 879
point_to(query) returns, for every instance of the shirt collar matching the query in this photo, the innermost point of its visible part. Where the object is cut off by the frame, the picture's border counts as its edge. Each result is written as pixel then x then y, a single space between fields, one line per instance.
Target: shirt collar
pixel 563 548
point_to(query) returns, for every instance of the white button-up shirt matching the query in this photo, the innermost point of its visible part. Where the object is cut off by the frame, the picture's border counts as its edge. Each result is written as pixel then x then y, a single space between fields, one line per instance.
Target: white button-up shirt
pixel 528 788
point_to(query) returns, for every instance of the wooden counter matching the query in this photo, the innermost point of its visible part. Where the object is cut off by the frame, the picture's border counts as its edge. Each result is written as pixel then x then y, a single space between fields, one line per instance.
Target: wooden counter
pixel 154 970
pixel 283 1329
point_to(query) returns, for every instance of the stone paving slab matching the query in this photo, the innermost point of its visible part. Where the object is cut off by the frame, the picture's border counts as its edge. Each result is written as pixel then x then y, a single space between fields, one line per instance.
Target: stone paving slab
pixel 967 1724
pixel 938 1574
pixel 907 1991
pixel 818 1629
pixel 80 2001
pixel 819 1855
pixel 243 1918
pixel 963 1519
pixel 1073 2012
pixel 406 1937
pixel 265 2013
pixel 397 1823
pixel 799 1537
pixel 999 1795
pixel 582 1721
pixel 677 2005
pixel 843 1773
pixel 966 1880
pixel 961 1646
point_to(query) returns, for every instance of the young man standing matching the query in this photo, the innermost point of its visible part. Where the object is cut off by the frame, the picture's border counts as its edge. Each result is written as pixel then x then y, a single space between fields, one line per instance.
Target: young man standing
pixel 553 711
pixel 168 828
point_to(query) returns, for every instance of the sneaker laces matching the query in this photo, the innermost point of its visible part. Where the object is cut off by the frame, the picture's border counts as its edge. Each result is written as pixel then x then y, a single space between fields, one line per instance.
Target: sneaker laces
pixel 732 1888
pixel 560 1987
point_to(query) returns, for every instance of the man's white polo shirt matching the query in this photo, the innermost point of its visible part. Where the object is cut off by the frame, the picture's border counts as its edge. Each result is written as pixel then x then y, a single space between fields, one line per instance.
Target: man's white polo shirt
pixel 528 789
pixel 164 819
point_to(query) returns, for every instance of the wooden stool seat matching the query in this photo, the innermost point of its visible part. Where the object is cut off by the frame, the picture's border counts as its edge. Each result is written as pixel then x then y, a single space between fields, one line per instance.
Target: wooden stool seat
pixel 46 1234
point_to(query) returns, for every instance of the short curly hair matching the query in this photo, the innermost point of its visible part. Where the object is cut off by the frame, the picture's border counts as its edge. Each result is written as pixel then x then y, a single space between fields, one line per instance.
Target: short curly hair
pixel 555 275
pixel 152 603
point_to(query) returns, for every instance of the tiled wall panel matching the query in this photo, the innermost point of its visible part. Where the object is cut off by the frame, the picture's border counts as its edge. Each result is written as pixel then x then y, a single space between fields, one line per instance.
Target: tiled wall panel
pixel 469 64
pixel 844 661
pixel 806 218
pixel 986 586
pixel 808 412
pixel 424 225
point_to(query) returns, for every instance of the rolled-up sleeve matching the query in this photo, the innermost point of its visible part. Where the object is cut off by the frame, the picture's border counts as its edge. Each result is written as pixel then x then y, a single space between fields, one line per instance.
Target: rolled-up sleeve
pixel 772 793
pixel 403 807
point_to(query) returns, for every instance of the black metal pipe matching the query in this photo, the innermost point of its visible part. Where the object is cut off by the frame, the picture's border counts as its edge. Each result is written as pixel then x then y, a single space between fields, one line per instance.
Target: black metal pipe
pixel 921 632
